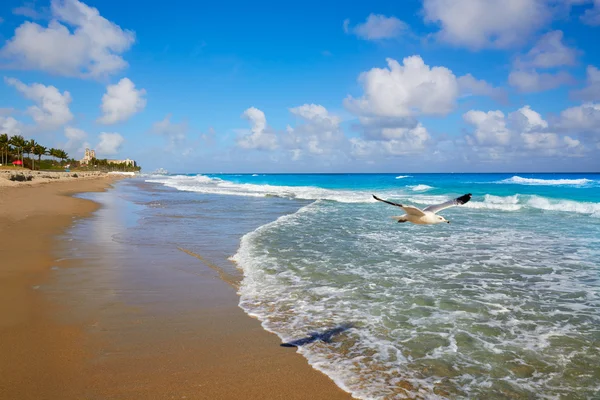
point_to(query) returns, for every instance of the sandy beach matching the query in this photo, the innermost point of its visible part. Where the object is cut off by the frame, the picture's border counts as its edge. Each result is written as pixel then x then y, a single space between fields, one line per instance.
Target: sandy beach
pixel 62 339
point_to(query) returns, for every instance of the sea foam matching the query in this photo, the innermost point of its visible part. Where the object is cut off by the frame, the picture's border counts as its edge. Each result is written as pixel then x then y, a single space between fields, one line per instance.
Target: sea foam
pixel 546 182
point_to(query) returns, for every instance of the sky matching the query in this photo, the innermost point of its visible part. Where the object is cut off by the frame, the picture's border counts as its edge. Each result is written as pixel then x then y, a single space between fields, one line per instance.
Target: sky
pixel 395 86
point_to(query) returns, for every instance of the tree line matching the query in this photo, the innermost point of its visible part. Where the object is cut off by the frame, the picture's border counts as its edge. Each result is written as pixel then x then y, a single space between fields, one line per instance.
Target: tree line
pixel 15 147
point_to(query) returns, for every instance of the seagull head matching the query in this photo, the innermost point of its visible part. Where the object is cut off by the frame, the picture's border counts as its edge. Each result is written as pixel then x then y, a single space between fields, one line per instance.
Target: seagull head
pixel 442 219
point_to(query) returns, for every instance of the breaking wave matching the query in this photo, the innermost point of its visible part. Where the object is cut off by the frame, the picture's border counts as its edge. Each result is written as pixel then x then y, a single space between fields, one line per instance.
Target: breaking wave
pixel 546 182
pixel 516 202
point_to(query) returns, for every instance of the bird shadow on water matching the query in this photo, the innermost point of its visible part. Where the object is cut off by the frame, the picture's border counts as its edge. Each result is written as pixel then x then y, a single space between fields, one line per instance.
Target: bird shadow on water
pixel 325 336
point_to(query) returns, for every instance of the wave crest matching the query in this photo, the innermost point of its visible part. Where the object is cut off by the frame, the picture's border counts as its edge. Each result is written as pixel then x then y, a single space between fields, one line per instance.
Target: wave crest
pixel 546 182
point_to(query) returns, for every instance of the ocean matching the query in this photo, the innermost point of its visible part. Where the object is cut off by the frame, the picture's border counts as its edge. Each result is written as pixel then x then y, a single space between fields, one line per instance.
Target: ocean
pixel 504 302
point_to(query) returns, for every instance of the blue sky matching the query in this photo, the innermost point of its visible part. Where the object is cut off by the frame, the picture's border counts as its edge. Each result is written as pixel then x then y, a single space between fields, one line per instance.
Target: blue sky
pixel 431 85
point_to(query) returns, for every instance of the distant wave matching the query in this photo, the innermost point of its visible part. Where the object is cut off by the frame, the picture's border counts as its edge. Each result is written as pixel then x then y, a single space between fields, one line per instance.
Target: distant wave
pixel 402 176
pixel 208 185
pixel 519 202
pixel 420 188
pixel 534 181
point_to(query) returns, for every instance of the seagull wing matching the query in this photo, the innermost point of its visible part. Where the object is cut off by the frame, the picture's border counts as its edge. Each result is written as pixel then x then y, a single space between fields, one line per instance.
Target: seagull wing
pixel 455 202
pixel 408 209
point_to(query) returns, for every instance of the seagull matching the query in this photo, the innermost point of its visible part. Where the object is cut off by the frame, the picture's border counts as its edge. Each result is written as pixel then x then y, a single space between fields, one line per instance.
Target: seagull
pixel 428 215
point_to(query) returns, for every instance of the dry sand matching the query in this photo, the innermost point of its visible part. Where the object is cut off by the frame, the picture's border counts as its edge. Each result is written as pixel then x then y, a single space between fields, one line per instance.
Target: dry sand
pixel 47 352
pixel 38 177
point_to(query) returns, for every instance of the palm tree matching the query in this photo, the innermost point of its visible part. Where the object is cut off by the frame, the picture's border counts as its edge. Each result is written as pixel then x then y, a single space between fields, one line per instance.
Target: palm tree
pixel 39 151
pixel 62 155
pixel 29 148
pixel 4 148
pixel 52 153
pixel 18 142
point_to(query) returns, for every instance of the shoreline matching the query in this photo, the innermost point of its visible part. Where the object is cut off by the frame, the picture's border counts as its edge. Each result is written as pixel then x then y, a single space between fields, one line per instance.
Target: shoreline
pixel 225 354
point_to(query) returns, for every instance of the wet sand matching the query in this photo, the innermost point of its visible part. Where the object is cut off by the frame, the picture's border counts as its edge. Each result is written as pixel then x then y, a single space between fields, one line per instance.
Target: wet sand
pixel 110 324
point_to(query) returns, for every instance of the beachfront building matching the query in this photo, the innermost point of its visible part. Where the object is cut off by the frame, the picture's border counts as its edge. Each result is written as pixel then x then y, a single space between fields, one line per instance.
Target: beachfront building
pixel 87 156
pixel 91 154
pixel 127 161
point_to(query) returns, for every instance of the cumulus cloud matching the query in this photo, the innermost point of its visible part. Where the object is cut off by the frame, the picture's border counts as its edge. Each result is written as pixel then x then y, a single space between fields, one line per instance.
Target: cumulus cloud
pixel 548 52
pixel 52 108
pixel 478 24
pixel 592 90
pixel 581 119
pixel 92 49
pixel 260 137
pixel 392 142
pixel 405 90
pixel 592 15
pixel 377 27
pixel 532 81
pixel 319 132
pixel 469 85
pixel 121 101
pixel 490 128
pixel 522 132
pixel 10 126
pixel 110 143
pixel 76 140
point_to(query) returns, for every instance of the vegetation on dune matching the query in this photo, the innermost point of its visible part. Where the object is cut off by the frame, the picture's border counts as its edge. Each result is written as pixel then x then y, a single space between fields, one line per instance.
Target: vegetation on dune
pixel 33 155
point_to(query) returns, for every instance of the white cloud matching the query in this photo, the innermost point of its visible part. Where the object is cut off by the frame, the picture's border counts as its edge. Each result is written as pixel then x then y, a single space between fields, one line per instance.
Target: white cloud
pixel 319 134
pixel 406 90
pixel 478 24
pixel 10 126
pixel 531 81
pixel 548 52
pixel 469 85
pixel 260 137
pixel 346 26
pixel 527 120
pixel 592 91
pixel 109 144
pixel 570 142
pixel 377 27
pixel 52 109
pixel 28 10
pixel 490 128
pixel 121 101
pixel 175 132
pixel 316 113
pixel 581 119
pixel 522 132
pixel 394 142
pixel 93 49
pixel 76 140
pixel 592 15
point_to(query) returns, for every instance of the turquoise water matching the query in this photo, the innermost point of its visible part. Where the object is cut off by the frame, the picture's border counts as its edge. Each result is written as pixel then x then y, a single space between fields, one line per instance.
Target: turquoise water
pixel 502 303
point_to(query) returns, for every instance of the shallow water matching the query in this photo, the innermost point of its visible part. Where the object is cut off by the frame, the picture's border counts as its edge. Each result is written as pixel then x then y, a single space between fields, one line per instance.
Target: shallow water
pixel 502 303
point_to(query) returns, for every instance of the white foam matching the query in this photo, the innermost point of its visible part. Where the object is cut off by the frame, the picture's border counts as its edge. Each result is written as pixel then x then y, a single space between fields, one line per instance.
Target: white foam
pixel 420 188
pixel 543 203
pixel 122 173
pixel 517 202
pixel 208 185
pixel 534 181
pixel 491 202
pixel 402 176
